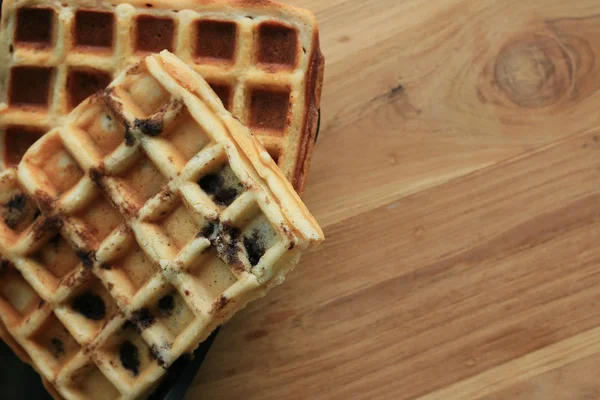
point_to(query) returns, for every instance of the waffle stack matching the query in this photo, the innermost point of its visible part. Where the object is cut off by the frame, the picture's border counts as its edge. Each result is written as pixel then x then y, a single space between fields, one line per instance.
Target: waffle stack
pixel 261 58
pixel 118 256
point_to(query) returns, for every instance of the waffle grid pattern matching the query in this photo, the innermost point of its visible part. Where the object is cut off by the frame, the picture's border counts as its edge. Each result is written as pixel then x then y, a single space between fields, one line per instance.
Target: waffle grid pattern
pixel 110 272
pixel 259 61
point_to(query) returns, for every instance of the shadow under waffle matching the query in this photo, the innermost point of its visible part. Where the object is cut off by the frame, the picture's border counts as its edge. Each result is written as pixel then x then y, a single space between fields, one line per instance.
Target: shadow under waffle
pixel 18 380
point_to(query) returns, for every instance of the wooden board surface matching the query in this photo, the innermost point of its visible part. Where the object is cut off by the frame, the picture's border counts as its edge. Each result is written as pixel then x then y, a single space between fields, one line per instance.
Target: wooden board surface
pixel 457 178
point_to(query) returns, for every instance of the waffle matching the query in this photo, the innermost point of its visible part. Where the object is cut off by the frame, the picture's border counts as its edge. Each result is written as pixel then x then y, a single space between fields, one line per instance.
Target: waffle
pixel 262 59
pixel 118 255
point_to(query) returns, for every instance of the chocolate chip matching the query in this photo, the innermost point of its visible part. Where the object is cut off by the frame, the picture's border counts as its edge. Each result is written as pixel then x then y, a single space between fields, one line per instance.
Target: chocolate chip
pixel 55 241
pixel 87 257
pixel 208 230
pixel 232 231
pixel 128 325
pixel 96 176
pixel 150 126
pixel 16 210
pixel 18 202
pixel 90 305
pixel 226 196
pixel 49 224
pixel 255 247
pixel 129 139
pixel 227 243
pixel 166 304
pixel 211 183
pixel 142 318
pixel 130 357
pixel 58 348
pixel 214 186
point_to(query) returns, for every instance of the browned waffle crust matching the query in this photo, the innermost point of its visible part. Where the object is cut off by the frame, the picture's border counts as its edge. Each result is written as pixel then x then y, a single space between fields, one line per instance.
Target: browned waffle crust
pixel 118 256
pixel 262 58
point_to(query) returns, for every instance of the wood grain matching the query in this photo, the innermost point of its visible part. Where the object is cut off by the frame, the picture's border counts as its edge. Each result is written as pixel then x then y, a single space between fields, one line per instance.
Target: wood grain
pixel 418 93
pixel 457 178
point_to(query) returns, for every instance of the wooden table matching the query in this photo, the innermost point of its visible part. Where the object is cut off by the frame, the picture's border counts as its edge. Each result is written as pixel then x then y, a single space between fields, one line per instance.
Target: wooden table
pixel 457 179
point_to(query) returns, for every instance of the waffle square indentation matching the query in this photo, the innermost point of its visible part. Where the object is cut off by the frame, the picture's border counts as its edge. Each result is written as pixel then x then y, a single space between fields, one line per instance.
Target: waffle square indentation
pixel 127 353
pixel 134 267
pixel 258 237
pixel 30 86
pixel 277 44
pixel 17 210
pixel 34 26
pixel 82 83
pixel 173 313
pixel 94 29
pixel 211 277
pixel 221 185
pixel 224 92
pixel 59 166
pixel 148 94
pixel 103 128
pixel 180 225
pixel 216 40
pixel 275 155
pixel 250 237
pixel 16 291
pixel 89 309
pixel 154 34
pixel 99 218
pixel 187 136
pixel 143 180
pixel 18 139
pixel 55 341
pixel 57 257
pixel 269 109
pixel 90 383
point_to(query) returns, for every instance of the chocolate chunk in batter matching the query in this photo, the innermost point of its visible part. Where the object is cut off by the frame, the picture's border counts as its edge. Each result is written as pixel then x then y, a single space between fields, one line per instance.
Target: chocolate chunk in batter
pixel 90 305
pixel 130 357
pixel 87 258
pixel 18 211
pixel 255 246
pixel 58 347
pixel 142 318
pixel 167 304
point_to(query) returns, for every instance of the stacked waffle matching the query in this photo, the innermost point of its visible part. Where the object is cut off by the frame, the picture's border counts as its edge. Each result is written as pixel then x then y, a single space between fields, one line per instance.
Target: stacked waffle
pixel 261 58
pixel 149 214
pixel 119 256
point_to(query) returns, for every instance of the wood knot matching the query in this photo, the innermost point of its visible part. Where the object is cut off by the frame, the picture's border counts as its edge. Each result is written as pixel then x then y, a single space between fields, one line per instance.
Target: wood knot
pixel 533 71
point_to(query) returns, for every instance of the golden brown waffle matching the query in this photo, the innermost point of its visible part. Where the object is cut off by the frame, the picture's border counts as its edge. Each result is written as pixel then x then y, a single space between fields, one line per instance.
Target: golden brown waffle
pixel 118 256
pixel 262 58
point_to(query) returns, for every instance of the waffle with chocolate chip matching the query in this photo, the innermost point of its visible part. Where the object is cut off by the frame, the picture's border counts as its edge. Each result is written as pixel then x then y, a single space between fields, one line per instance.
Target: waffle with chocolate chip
pixel 131 232
pixel 262 59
